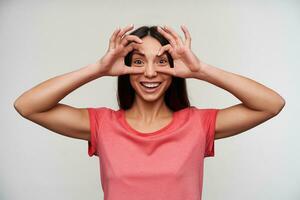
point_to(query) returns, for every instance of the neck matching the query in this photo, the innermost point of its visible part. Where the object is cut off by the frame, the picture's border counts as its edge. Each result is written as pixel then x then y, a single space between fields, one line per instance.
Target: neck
pixel 149 111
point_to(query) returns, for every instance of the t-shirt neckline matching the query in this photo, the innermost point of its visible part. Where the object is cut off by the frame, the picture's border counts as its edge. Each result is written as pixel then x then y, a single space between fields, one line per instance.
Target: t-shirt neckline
pixel 147 134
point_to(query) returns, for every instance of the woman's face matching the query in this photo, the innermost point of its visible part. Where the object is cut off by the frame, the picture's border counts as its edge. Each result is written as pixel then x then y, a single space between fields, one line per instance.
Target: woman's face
pixel 146 56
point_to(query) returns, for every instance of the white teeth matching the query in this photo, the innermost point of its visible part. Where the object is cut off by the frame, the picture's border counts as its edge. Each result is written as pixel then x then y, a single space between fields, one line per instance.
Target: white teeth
pixel 150 84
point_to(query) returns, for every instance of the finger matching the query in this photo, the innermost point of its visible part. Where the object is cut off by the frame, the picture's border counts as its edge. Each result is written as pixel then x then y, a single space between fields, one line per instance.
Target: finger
pixel 174 34
pixel 112 42
pixel 187 36
pixel 130 47
pixel 122 32
pixel 166 70
pixel 164 48
pixel 168 36
pixel 130 38
pixel 133 70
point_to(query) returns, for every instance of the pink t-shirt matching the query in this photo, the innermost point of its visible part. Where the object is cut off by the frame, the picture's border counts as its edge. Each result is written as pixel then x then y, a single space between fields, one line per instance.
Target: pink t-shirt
pixel 163 165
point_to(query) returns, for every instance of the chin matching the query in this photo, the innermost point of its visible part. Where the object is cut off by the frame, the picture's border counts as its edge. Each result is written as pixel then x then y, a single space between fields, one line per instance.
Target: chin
pixel 151 98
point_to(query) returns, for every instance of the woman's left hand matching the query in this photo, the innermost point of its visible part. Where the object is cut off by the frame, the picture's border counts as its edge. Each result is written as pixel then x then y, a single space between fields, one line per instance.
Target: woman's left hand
pixel 186 63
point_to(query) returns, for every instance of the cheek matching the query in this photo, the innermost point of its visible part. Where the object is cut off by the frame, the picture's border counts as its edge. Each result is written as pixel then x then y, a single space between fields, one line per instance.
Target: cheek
pixel 167 78
pixel 169 81
pixel 133 79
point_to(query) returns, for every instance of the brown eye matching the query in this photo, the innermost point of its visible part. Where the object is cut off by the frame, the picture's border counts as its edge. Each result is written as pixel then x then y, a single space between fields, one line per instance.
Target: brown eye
pixel 163 61
pixel 138 62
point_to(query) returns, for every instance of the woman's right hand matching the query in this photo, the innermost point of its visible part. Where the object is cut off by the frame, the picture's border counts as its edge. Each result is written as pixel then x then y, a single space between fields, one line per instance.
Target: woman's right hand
pixel 112 63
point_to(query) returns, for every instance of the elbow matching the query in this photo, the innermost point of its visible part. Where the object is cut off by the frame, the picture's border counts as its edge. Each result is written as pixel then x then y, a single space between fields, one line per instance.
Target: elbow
pixel 18 109
pixel 279 106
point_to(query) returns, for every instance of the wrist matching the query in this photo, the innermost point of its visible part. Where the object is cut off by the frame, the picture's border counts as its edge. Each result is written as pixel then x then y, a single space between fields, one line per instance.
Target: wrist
pixel 201 74
pixel 94 70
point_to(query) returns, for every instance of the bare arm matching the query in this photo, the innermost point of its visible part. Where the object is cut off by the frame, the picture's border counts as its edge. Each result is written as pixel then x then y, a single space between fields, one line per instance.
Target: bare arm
pixel 40 104
pixel 47 94
pixel 259 103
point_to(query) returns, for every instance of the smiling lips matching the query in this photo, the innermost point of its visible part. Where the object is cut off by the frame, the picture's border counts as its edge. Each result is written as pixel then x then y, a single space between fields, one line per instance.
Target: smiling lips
pixel 150 86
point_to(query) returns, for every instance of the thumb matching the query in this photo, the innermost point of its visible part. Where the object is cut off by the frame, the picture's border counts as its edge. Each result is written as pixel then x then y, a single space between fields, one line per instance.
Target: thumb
pixel 133 70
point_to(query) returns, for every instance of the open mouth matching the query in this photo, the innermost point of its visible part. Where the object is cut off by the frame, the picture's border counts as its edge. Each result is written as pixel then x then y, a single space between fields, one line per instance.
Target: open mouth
pixel 150 86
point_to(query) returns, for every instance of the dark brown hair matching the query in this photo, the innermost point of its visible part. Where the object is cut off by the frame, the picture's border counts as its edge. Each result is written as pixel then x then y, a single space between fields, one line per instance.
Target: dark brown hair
pixel 176 97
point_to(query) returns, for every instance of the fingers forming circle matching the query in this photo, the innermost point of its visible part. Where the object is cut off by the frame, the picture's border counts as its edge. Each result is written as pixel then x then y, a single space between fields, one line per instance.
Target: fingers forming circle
pixel 133 70
pixel 130 38
pixel 166 70
pixel 122 32
pixel 168 36
pixel 164 48
pixel 174 34
pixel 129 48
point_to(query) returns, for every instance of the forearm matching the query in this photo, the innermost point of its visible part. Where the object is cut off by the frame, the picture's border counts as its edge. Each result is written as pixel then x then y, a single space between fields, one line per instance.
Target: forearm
pixel 47 94
pixel 253 94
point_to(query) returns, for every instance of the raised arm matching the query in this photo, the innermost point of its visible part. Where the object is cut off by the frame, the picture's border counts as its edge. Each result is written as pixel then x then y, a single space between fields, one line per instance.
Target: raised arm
pixel 259 103
pixel 40 104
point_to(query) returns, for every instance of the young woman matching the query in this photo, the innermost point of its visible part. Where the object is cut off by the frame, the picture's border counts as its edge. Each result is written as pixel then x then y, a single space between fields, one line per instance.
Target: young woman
pixel 154 146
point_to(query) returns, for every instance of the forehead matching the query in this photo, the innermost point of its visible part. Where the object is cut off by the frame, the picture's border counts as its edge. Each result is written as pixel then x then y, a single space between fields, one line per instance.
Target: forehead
pixel 150 46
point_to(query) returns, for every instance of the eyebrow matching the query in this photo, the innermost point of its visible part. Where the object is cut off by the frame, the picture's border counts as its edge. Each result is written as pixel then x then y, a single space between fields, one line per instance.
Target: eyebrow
pixel 142 54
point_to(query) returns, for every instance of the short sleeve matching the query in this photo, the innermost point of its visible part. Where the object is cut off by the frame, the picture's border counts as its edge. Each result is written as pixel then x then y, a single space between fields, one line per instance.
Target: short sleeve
pixel 95 118
pixel 210 120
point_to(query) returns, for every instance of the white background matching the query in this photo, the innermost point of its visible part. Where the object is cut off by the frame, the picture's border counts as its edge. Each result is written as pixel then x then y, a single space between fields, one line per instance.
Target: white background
pixel 256 39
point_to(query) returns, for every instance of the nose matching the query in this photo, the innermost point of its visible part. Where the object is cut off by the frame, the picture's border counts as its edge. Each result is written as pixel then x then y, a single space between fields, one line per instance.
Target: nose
pixel 150 70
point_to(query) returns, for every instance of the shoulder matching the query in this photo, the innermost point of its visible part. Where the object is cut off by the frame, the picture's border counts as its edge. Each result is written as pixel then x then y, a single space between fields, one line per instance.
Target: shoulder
pixel 204 113
pixel 99 111
pixel 202 110
pixel 102 108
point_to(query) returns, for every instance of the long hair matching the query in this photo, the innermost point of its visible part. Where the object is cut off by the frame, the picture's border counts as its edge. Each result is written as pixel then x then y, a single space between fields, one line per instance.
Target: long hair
pixel 176 97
